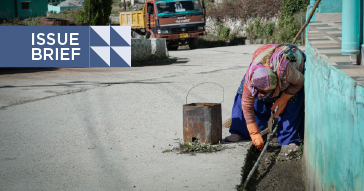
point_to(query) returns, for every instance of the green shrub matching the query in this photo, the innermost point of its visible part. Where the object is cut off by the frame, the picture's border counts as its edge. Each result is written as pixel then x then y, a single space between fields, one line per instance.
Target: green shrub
pixel 290 27
pixel 233 36
pixel 218 25
pixel 128 3
pixel 289 22
pixel 249 30
pixel 258 28
pixel 289 19
pixel 30 21
pixel 100 11
pixel 269 29
pixel 224 32
pixel 288 9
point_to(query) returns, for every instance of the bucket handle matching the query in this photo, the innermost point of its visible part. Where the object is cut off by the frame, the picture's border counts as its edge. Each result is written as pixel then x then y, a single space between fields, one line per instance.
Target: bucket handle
pixel 207 83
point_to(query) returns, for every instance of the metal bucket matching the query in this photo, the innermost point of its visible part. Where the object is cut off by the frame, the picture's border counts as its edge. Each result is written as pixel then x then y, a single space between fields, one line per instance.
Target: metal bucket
pixel 202 122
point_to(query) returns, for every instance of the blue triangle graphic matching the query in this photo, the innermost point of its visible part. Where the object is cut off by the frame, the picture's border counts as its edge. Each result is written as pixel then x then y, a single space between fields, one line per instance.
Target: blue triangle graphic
pixel 116 39
pixel 96 60
pixel 116 60
pixel 95 39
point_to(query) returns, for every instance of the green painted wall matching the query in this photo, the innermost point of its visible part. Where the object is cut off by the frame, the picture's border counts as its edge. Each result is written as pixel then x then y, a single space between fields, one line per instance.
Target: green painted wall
pixel 36 8
pixel 330 6
pixel 7 9
pixel 58 9
pixel 334 127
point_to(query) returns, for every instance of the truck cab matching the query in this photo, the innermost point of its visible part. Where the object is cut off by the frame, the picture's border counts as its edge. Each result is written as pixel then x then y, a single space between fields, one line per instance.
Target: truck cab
pixel 180 22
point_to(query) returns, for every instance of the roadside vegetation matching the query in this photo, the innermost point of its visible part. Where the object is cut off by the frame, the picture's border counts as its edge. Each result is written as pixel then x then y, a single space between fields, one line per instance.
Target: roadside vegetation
pixel 79 15
pixel 223 38
pixel 70 14
pixel 256 14
pixel 118 6
pixel 95 12
pixel 34 21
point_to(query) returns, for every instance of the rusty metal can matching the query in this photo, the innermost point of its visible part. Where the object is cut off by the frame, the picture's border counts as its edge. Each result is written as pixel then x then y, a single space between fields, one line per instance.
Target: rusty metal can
pixel 202 122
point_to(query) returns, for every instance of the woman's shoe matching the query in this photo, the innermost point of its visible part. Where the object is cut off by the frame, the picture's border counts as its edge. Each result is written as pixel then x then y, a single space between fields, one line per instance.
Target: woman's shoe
pixel 295 146
pixel 233 138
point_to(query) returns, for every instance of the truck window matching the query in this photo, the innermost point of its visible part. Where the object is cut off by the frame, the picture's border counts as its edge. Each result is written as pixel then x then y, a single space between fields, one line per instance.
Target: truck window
pixel 173 7
pixel 151 9
pixel 164 8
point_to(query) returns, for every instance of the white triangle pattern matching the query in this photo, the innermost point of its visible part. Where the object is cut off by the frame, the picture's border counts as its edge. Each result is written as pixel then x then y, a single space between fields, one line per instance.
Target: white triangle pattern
pixel 124 52
pixel 103 32
pixel 124 32
pixel 103 52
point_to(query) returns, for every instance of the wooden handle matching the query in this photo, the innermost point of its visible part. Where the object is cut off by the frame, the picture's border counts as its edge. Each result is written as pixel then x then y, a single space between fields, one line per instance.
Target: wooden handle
pixel 307 21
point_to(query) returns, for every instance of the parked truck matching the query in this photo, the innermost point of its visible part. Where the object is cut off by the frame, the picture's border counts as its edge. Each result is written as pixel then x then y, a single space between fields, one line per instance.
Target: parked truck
pixel 180 22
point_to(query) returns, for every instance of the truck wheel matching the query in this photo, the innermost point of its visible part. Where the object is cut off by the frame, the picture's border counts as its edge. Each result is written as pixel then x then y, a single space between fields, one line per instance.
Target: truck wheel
pixel 172 47
pixel 147 35
pixel 193 43
pixel 136 34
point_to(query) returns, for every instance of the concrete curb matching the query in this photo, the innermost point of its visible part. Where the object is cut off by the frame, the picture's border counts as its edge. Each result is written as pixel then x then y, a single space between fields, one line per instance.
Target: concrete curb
pixel 148 49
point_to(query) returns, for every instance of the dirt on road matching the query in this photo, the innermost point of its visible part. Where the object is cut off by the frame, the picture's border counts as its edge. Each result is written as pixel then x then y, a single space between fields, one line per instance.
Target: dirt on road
pixel 273 172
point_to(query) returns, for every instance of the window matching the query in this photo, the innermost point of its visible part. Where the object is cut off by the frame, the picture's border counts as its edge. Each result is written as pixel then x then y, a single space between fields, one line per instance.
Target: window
pixel 173 7
pixel 25 5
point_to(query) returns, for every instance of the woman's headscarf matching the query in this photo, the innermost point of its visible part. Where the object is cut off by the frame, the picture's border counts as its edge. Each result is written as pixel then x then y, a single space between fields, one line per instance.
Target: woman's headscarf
pixel 269 63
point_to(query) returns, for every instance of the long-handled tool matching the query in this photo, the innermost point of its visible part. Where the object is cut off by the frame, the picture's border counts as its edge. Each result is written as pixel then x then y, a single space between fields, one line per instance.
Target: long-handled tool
pixel 274 121
pixel 307 21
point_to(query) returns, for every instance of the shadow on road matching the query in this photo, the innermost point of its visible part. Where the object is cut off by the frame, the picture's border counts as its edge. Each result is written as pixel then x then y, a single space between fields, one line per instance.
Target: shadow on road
pixel 154 62
pixel 83 83
pixel 24 70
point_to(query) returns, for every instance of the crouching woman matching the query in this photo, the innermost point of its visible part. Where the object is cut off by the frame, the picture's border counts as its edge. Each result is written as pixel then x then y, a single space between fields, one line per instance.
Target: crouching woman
pixel 275 77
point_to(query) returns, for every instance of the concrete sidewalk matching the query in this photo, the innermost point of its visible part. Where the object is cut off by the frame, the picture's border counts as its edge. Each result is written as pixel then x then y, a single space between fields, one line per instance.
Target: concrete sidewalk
pixel 325 36
pixel 106 129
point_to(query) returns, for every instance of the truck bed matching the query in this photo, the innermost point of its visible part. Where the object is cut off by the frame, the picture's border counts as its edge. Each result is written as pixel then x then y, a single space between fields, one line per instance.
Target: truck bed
pixel 135 19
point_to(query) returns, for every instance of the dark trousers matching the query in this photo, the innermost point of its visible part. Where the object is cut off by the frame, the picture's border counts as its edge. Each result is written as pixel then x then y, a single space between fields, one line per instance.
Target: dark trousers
pixel 290 122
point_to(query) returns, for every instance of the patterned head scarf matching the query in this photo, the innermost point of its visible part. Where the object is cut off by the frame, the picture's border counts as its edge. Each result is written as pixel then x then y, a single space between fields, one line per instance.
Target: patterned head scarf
pixel 263 79
pixel 259 74
pixel 266 69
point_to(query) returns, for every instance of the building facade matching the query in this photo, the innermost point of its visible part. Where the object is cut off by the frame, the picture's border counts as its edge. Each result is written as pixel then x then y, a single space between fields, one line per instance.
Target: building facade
pixel 22 8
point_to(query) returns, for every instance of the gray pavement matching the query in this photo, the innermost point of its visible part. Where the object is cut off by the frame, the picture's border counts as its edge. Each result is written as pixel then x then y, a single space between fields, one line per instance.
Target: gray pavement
pixel 106 128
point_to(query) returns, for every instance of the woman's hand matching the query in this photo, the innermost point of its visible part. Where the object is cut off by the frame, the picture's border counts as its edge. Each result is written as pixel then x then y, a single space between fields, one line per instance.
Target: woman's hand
pixel 281 103
pixel 255 136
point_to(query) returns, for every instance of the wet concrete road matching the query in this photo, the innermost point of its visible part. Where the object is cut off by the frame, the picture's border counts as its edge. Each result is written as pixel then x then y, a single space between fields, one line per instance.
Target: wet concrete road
pixel 106 129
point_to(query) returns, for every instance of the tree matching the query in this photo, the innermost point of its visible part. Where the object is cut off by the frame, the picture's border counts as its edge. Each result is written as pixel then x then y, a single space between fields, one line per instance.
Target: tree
pixel 95 12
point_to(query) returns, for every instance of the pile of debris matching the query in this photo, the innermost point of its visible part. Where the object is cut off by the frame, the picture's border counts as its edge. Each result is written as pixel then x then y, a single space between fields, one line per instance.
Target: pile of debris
pixel 197 147
pixel 69 3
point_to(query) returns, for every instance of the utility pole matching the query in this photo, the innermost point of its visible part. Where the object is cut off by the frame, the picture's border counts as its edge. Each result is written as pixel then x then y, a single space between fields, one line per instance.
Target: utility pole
pixel 124 6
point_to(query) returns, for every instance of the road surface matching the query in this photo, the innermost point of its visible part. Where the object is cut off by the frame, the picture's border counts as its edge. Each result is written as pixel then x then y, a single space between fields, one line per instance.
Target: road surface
pixel 107 128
